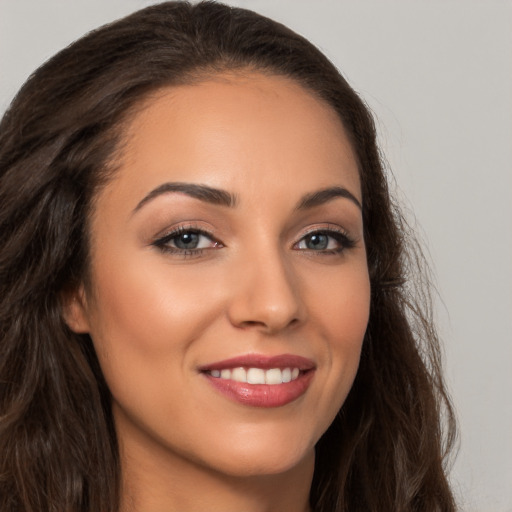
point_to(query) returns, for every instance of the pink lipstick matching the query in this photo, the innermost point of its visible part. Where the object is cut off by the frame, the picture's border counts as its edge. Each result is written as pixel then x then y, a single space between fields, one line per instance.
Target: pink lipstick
pixel 261 381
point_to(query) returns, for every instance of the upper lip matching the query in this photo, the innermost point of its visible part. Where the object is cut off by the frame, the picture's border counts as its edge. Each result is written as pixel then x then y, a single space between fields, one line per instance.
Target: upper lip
pixel 261 361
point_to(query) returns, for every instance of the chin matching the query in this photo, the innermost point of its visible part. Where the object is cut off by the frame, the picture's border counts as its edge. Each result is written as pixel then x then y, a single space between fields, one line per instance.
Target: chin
pixel 265 464
pixel 260 455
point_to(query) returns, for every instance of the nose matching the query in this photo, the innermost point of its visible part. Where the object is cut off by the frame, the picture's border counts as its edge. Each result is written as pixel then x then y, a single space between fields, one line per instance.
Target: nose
pixel 267 293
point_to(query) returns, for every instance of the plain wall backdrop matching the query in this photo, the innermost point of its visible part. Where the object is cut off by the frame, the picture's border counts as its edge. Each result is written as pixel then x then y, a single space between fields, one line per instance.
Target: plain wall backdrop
pixel 438 76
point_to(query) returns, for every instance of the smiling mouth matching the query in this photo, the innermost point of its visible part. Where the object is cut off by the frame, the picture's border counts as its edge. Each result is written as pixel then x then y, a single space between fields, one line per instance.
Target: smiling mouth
pixel 261 381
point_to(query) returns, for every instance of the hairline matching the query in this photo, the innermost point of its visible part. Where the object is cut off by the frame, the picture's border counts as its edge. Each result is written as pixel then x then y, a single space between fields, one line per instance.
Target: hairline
pixel 120 131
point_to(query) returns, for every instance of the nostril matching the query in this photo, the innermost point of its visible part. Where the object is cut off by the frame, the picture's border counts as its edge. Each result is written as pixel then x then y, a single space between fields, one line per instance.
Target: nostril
pixel 252 323
pixel 267 326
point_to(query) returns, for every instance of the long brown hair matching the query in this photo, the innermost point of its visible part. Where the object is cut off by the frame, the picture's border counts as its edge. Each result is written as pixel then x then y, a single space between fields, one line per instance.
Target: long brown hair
pixel 385 450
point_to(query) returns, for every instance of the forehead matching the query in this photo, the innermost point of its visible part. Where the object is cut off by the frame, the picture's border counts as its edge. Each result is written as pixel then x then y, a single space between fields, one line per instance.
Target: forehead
pixel 237 131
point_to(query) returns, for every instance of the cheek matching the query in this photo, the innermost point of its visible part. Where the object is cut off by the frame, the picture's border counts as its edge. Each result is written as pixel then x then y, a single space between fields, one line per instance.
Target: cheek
pixel 146 305
pixel 144 320
pixel 340 313
pixel 349 324
pixel 147 322
pixel 341 307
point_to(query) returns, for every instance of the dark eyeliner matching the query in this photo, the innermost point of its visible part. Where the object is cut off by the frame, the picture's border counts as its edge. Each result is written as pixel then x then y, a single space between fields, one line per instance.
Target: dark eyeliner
pixel 162 242
pixel 341 236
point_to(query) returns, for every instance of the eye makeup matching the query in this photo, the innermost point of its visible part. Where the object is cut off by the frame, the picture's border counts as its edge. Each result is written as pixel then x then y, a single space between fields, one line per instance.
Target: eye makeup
pixel 193 241
pixel 328 240
pixel 187 241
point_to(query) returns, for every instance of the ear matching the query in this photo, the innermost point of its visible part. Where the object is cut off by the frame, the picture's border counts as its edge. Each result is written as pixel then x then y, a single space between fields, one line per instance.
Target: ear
pixel 74 310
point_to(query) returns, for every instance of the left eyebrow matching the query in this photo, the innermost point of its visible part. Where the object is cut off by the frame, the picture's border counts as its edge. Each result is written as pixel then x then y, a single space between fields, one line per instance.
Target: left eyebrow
pixel 324 195
pixel 201 192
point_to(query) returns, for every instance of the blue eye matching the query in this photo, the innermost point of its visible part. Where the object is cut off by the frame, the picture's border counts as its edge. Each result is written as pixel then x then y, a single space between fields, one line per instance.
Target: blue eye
pixel 325 241
pixel 186 241
pixel 317 242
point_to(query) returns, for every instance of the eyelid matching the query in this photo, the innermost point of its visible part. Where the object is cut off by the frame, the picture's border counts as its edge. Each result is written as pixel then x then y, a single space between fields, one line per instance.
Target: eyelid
pixel 161 241
pixel 333 230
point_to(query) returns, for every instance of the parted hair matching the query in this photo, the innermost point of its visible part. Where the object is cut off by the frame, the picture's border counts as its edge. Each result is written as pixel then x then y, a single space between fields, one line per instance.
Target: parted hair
pixel 387 448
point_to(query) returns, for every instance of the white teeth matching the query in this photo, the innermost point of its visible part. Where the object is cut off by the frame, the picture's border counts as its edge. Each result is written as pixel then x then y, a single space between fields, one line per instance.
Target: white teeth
pixel 258 375
pixel 287 375
pixel 255 376
pixel 239 374
pixel 273 376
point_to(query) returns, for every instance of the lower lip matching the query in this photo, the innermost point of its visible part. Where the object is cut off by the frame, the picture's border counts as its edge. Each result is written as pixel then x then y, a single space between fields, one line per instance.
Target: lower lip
pixel 262 395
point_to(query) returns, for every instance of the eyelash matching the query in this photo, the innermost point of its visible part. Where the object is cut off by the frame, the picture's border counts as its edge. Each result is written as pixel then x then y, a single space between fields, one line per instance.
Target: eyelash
pixel 163 243
pixel 339 235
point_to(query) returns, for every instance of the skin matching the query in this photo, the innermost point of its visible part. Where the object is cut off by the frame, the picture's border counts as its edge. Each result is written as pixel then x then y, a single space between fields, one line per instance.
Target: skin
pixel 258 286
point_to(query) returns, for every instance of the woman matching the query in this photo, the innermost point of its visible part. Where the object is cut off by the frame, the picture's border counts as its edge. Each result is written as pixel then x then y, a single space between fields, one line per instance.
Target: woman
pixel 204 301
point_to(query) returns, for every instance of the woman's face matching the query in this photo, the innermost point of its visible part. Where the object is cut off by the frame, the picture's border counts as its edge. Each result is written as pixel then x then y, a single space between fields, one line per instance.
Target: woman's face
pixel 230 291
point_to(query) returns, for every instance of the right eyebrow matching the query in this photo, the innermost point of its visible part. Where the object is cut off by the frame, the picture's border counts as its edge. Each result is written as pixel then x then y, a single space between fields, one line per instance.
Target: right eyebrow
pixel 201 192
pixel 327 194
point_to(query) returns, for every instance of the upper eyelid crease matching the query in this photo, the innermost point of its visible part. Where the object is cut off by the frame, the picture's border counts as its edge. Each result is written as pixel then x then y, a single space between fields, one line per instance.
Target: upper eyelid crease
pixel 162 243
pixel 185 229
pixel 331 231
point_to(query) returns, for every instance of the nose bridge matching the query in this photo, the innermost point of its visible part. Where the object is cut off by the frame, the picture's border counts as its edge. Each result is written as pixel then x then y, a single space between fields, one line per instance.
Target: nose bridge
pixel 267 291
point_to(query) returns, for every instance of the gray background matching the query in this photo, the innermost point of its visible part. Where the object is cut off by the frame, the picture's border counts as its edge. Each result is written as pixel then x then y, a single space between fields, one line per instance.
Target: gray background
pixel 438 76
